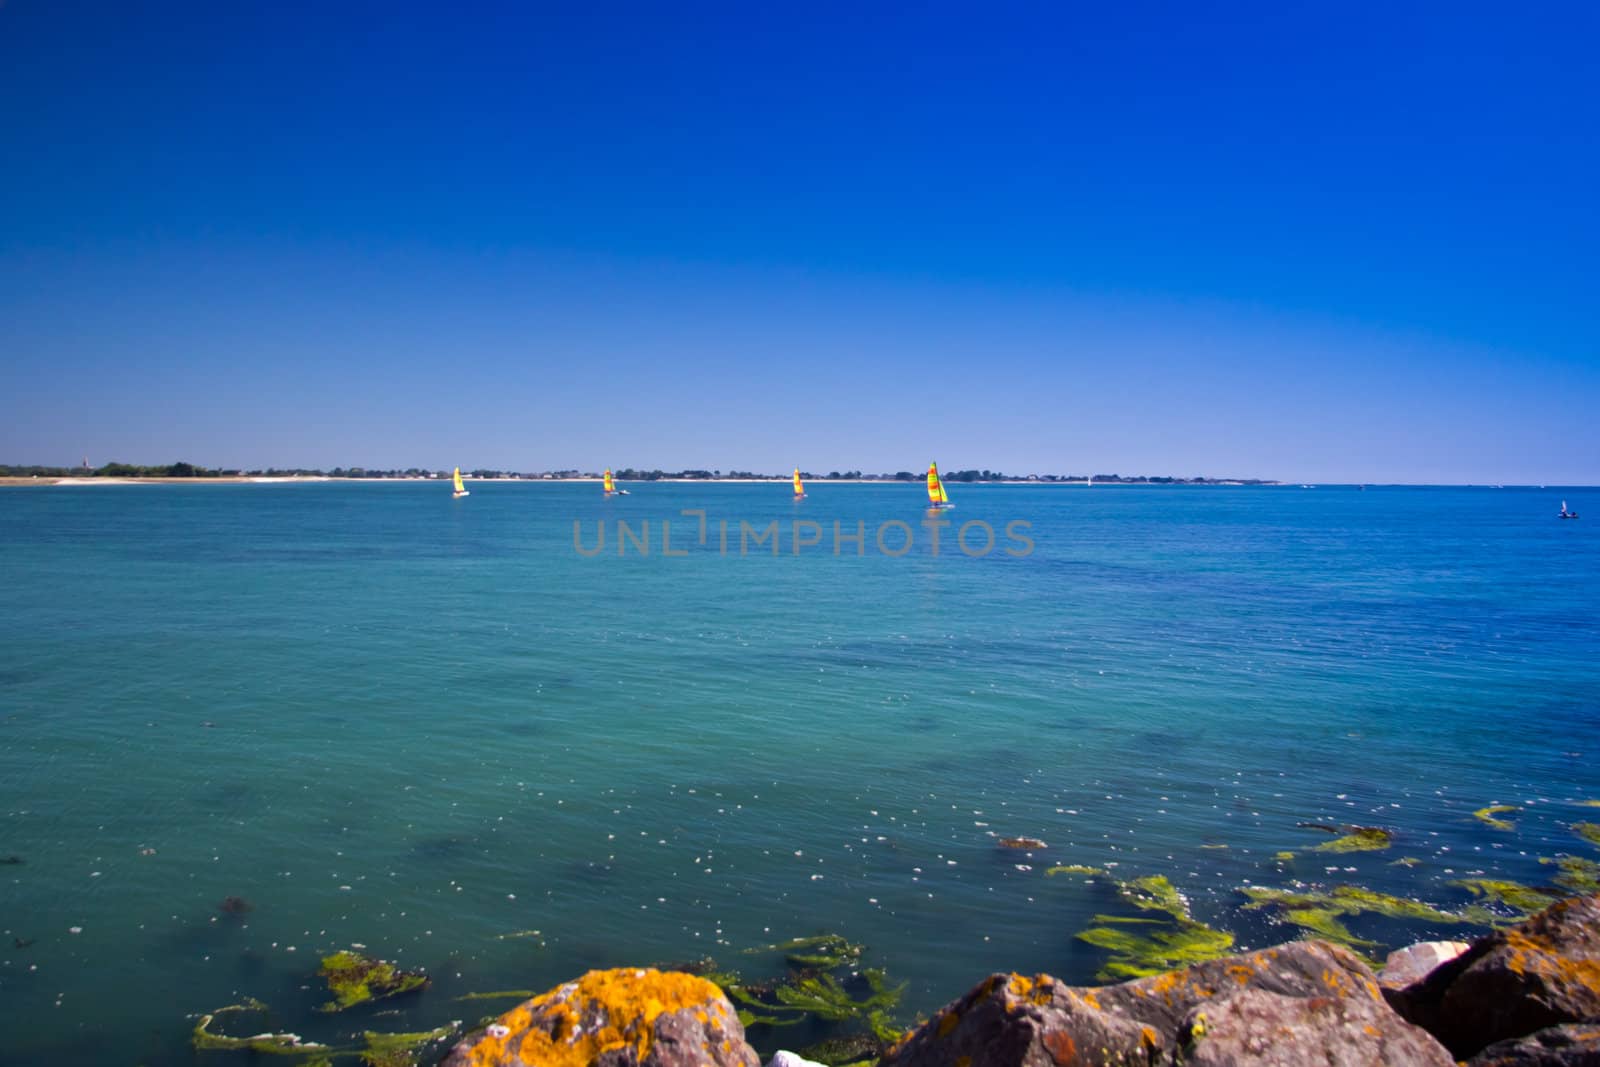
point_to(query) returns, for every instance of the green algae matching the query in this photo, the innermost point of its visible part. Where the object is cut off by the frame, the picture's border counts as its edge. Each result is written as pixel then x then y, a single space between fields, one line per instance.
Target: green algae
pixel 844 1051
pixel 1072 868
pixel 1359 839
pixel 822 997
pixel 1405 861
pixel 1589 831
pixel 1177 945
pixel 1367 900
pixel 1487 816
pixel 811 991
pixel 355 979
pixel 1160 944
pixel 400 1050
pixel 1522 899
pixel 1322 912
pixel 500 994
pixel 1283 857
pixel 204 1040
pixel 824 951
pixel 1578 875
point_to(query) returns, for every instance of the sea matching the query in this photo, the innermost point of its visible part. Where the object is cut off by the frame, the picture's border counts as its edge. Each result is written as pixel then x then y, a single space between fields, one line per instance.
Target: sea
pixel 243 726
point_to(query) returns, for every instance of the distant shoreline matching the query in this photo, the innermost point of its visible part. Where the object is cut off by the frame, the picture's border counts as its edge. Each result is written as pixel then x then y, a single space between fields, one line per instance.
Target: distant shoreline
pixel 51 480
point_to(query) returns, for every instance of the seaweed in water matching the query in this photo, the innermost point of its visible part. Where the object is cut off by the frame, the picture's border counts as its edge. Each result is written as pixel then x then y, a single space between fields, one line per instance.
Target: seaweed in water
pixel 824 951
pixel 258 1044
pixel 355 979
pixel 1176 941
pixel 1578 875
pixel 810 991
pixel 841 1051
pixel 1074 868
pixel 401 1050
pixel 1523 900
pixel 1487 816
pixel 1321 912
pixel 1589 831
pixel 1022 842
pixel 501 994
pixel 1359 839
pixel 824 997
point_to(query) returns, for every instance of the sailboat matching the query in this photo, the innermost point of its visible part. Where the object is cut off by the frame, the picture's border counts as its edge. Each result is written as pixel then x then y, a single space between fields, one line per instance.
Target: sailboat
pixel 611 486
pixel 937 497
pixel 461 489
pixel 799 489
pixel 1565 514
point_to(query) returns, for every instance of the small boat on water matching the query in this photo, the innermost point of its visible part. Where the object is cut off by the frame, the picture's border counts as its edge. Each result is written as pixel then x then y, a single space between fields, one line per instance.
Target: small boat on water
pixel 461 488
pixel 937 497
pixel 611 485
pixel 1565 514
pixel 799 487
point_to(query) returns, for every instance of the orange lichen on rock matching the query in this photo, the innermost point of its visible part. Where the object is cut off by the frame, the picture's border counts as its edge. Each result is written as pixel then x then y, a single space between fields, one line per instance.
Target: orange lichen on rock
pixel 575 1023
pixel 948 1022
pixel 1532 954
pixel 1061 1047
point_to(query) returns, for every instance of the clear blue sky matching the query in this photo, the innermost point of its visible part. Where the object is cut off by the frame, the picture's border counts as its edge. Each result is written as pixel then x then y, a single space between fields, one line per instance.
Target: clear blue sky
pixel 1293 241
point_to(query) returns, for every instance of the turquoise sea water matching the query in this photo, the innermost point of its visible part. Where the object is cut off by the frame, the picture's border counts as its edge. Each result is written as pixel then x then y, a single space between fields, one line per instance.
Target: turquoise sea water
pixel 391 719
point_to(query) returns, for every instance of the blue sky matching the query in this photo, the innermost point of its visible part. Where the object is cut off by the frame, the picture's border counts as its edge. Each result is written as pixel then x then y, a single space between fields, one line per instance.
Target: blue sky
pixel 1275 241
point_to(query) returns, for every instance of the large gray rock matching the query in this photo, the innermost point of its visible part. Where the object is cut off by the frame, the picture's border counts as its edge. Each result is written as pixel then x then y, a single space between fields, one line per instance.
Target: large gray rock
pixel 1018 1021
pixel 1538 974
pixel 1265 1029
pixel 1303 996
pixel 1570 1045
pixel 629 1017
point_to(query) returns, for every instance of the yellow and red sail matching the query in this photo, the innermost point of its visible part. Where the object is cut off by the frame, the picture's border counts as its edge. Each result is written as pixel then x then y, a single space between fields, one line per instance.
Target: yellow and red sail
pixel 936 493
pixel 799 489
pixel 611 486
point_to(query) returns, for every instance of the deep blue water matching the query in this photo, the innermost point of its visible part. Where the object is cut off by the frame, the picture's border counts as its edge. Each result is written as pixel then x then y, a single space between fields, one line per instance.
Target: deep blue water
pixel 416 724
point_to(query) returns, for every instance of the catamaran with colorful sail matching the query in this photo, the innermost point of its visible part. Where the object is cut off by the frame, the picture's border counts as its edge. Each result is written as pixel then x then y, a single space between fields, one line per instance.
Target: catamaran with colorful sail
pixel 799 488
pixel 611 486
pixel 937 497
pixel 461 489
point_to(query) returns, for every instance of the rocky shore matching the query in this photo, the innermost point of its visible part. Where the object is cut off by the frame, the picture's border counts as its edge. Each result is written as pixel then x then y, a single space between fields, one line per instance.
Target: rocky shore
pixel 1525 996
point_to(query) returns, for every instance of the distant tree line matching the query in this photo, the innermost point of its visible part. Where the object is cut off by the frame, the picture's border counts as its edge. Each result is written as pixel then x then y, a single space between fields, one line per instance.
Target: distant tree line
pixel 626 474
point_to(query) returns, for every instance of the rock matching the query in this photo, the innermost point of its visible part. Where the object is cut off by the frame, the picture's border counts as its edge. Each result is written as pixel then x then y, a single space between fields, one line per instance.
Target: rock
pixel 628 1016
pixel 1295 969
pixel 1537 974
pixel 1010 1019
pixel 1415 962
pixel 1269 1029
pixel 1571 1045
pixel 1319 995
pixel 790 1059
